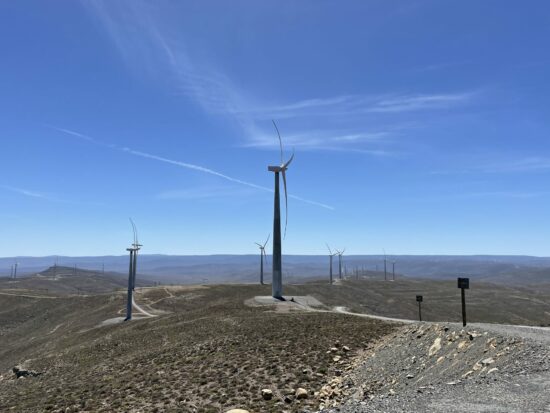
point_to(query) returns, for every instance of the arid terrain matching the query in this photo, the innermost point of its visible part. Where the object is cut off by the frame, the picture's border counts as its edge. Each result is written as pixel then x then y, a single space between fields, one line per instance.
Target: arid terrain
pixel 211 349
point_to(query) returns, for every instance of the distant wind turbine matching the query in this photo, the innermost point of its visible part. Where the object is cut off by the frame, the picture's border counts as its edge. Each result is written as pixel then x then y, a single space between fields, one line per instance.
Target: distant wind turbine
pixel 340 253
pixel 277 284
pixel 132 272
pixel 331 255
pixel 385 269
pixel 262 257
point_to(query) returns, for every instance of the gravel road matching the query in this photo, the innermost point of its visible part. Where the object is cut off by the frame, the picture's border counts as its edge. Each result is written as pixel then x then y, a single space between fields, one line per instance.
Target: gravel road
pixel 443 367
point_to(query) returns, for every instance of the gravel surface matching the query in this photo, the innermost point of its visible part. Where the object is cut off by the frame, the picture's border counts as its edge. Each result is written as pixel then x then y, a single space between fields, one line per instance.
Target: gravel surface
pixel 445 368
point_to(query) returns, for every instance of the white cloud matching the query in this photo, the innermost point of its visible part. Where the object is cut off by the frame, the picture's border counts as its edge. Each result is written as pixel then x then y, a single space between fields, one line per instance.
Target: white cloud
pixel 145 38
pixel 186 165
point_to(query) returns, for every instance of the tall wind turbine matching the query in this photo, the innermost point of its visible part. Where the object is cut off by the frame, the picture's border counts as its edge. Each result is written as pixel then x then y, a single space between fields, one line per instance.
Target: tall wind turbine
pixel 262 257
pixel 132 272
pixel 330 254
pixel 277 283
pixel 340 253
pixel 393 270
pixel 15 270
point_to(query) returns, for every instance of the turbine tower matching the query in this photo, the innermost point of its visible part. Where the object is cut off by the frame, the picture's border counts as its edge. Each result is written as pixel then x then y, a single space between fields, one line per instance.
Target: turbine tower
pixel 277 284
pixel 262 257
pixel 15 270
pixel 340 253
pixel 132 272
pixel 393 270
pixel 330 254
pixel 385 267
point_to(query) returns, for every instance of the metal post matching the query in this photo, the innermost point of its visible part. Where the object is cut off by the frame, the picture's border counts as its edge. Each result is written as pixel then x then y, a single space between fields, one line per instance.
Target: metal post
pixel 463 284
pixel 420 311
pixel 385 272
pixel 463 307
pixel 393 270
pixel 277 283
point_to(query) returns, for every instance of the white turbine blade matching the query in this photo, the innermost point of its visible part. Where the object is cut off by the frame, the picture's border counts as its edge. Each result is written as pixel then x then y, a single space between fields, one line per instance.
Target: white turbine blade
pixel 283 171
pixel 329 250
pixel 259 245
pixel 344 250
pixel 135 231
pixel 265 243
pixel 265 258
pixel 280 141
pixel 285 165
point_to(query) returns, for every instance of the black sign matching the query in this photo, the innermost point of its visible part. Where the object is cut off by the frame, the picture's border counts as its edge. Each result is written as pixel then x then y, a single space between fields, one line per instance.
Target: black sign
pixel 464 283
pixel 419 298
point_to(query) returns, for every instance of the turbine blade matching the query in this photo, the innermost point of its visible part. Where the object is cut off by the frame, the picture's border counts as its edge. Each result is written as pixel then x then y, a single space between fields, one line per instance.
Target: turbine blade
pixel 135 231
pixel 265 258
pixel 259 245
pixel 283 171
pixel 285 165
pixel 265 243
pixel 329 250
pixel 280 141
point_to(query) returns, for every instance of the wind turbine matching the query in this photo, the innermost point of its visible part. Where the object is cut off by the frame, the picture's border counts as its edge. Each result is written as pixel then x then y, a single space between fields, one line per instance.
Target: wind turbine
pixel 330 254
pixel 132 272
pixel 340 253
pixel 277 283
pixel 385 270
pixel 262 257
pixel 15 270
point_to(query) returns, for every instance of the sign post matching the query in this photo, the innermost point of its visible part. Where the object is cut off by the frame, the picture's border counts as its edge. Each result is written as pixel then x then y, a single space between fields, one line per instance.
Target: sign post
pixel 463 284
pixel 419 300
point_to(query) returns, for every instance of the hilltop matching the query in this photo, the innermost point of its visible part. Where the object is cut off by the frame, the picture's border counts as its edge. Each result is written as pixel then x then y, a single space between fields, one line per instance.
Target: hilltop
pixel 208 350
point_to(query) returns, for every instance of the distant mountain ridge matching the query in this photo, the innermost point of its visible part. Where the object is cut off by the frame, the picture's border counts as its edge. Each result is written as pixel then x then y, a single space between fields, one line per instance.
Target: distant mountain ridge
pixel 244 268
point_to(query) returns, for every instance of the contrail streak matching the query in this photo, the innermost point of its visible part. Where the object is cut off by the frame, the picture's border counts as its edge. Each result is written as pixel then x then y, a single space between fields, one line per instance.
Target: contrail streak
pixel 183 165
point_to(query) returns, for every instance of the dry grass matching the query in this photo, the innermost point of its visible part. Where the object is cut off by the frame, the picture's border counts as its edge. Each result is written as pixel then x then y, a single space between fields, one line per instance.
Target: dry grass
pixel 210 354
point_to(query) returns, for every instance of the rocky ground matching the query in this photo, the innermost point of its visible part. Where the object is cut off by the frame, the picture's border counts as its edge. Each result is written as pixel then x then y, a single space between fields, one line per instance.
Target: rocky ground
pixel 447 368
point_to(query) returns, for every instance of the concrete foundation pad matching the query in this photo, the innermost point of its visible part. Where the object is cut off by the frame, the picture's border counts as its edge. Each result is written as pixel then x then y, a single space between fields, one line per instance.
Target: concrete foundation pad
pixel 289 303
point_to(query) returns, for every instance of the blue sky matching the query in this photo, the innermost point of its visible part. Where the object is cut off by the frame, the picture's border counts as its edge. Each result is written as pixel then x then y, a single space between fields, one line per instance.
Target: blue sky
pixel 420 127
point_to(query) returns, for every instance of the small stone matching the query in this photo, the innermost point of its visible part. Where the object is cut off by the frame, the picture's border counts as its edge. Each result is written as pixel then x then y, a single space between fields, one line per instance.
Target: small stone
pixel 336 359
pixel 436 346
pixel 237 411
pixel 410 376
pixel 492 370
pixel 346 348
pixel 468 373
pixel 301 393
pixel 288 398
pixel 267 394
pixel 487 361
pixel 334 350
